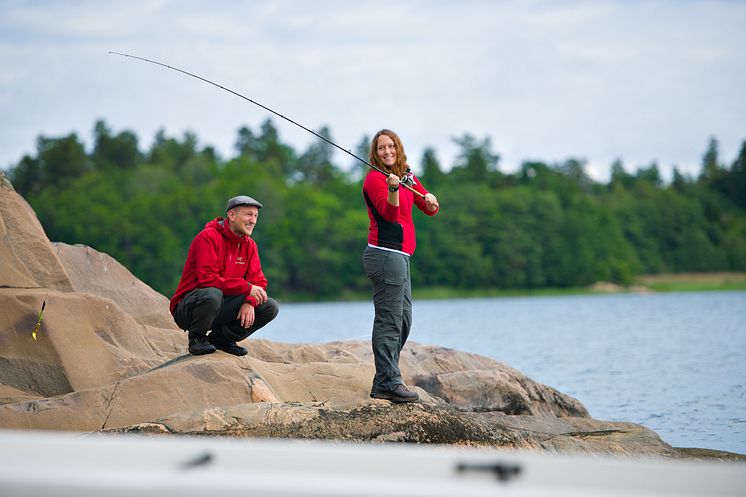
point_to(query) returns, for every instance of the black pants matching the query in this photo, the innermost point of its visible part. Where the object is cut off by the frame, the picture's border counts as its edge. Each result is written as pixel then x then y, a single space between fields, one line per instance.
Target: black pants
pixel 205 309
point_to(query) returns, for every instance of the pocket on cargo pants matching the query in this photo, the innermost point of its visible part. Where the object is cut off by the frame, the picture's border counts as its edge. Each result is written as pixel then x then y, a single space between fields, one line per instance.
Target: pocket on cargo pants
pixel 388 272
pixel 395 278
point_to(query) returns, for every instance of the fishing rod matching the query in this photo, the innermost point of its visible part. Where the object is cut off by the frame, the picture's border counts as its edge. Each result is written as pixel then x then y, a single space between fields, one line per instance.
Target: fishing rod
pixel 348 152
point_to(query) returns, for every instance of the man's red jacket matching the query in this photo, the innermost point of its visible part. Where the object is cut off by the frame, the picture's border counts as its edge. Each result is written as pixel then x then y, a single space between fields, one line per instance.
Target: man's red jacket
pixel 221 259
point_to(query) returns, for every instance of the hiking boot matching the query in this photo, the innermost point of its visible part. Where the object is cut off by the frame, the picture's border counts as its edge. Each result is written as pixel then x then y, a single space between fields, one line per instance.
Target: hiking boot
pixel 198 345
pixel 226 346
pixel 398 395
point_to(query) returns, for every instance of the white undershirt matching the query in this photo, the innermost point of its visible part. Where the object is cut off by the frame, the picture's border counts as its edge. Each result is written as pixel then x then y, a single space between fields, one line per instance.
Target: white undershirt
pixel 389 249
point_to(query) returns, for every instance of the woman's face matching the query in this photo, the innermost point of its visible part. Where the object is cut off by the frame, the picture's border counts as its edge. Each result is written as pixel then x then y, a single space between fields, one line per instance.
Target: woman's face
pixel 386 150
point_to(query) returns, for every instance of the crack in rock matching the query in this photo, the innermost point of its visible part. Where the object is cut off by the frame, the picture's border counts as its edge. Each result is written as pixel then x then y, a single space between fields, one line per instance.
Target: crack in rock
pixel 109 403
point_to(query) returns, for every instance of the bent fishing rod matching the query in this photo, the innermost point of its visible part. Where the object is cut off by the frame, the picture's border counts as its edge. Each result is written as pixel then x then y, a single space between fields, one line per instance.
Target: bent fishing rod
pixel 348 152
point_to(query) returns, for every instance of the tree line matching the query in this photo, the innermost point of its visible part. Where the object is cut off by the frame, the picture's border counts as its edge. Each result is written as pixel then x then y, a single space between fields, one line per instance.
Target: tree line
pixel 547 225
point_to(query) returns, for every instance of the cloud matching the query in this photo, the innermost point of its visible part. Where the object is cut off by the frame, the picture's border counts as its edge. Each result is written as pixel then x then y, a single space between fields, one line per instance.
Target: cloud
pixel 641 81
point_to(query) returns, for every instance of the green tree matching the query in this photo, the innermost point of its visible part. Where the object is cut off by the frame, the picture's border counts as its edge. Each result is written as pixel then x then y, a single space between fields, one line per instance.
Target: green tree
pixel 620 179
pixel 546 225
pixel 475 162
pixel 516 249
pixel 358 169
pixel 432 173
pixel 266 148
pixel 712 170
pixel 26 176
pixel 315 164
pixel 731 183
pixel 110 152
pixel 679 181
pixel 171 153
pixel 651 175
pixel 57 161
pixel 735 188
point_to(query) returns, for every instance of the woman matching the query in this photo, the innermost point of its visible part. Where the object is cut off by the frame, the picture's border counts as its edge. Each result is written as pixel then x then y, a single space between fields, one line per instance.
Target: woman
pixel 391 242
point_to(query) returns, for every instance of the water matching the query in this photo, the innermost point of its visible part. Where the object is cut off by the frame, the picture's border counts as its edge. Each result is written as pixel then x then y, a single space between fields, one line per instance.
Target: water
pixel 673 362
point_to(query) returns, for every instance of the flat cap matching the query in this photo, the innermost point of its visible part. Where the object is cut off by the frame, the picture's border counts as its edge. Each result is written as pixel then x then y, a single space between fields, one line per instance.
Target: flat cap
pixel 242 200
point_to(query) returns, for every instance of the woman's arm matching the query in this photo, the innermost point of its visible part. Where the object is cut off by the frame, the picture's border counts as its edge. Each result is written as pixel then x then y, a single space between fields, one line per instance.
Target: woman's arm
pixel 429 203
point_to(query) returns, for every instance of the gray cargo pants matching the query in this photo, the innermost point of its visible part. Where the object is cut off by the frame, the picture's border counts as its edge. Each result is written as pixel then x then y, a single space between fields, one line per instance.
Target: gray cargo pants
pixel 392 299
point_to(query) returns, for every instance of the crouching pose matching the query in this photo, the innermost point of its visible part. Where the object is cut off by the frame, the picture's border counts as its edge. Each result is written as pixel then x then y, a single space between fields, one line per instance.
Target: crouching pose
pixel 223 290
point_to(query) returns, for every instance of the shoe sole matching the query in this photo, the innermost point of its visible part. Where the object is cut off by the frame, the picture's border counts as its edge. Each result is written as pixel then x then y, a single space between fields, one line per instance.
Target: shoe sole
pixel 202 352
pixel 238 354
pixel 232 352
pixel 394 398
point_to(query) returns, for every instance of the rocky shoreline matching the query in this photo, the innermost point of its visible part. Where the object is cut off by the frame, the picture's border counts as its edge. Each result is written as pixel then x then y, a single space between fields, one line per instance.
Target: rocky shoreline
pixel 419 423
pixel 107 358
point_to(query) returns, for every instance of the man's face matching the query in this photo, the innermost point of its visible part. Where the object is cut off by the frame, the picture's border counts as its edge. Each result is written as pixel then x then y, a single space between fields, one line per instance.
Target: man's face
pixel 242 219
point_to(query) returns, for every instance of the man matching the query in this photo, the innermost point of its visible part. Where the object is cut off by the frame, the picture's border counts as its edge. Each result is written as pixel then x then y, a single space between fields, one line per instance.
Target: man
pixel 222 287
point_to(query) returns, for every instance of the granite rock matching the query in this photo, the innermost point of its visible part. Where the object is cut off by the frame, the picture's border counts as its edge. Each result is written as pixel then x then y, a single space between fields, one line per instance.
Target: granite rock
pixel 108 357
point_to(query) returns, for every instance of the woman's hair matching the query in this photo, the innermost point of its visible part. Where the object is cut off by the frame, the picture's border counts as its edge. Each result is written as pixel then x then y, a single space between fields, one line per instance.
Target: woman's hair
pixel 401 158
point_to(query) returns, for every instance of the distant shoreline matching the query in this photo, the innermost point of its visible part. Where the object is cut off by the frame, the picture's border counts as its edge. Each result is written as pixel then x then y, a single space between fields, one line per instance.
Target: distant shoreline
pixel 694 282
pixel 654 283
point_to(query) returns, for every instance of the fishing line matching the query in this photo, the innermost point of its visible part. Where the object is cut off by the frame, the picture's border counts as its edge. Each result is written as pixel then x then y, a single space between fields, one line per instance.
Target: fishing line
pixel 267 109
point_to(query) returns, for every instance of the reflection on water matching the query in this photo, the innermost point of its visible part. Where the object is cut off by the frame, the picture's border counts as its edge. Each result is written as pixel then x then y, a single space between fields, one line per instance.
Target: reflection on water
pixel 674 362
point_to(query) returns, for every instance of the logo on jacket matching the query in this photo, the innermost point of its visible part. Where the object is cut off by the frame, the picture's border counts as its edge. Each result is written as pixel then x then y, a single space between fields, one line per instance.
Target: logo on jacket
pixel 240 260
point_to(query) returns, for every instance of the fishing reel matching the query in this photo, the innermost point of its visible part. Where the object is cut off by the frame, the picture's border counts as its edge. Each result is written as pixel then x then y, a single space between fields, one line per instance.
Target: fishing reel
pixel 408 178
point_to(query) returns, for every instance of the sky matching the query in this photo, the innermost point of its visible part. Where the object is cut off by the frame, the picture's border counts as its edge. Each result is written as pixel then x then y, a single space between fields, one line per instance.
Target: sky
pixel 639 81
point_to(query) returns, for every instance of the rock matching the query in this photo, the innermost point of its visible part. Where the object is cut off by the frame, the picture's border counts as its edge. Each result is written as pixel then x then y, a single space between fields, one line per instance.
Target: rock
pixel 10 395
pixel 190 382
pixel 608 287
pixel 108 357
pixel 27 258
pixel 5 182
pixel 475 383
pixel 99 274
pixel 187 383
pixel 84 341
pixel 586 435
pixel 369 421
pixel 141 428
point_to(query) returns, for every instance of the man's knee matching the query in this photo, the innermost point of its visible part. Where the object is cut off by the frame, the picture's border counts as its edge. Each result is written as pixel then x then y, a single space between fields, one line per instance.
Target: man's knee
pixel 270 309
pixel 211 297
pixel 198 308
pixel 207 302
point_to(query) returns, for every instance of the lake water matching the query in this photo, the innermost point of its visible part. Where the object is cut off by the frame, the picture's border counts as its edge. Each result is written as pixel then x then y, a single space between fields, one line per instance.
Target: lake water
pixel 674 362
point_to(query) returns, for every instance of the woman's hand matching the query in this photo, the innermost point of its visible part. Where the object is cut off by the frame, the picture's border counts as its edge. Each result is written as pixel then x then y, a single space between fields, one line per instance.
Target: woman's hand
pixel 431 202
pixel 393 181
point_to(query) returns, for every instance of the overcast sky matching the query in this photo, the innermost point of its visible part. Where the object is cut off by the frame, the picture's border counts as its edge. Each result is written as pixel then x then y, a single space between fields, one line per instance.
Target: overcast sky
pixel 641 81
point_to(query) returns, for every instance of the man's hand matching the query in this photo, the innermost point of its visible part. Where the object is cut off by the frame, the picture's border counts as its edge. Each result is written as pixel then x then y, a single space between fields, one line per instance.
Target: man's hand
pixel 258 294
pixel 246 314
